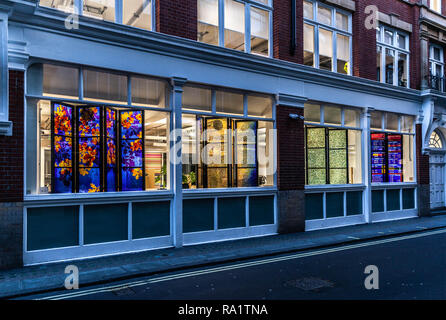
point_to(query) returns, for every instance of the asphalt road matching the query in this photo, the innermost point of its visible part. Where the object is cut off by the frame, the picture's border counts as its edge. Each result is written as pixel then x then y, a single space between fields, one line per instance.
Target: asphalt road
pixel 410 267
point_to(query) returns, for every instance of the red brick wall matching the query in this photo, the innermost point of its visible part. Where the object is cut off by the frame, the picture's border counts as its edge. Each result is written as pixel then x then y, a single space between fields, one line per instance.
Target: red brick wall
pixel 290 149
pixel 422 160
pixel 177 18
pixel 282 31
pixel 12 148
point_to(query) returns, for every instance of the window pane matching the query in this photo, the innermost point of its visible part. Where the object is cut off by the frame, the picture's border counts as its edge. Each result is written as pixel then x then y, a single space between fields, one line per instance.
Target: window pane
pixel 351 118
pixel 308 45
pixel 259 31
pixel 378 63
pixel 408 156
pixel 343 54
pixel 391 121
pixel 388 37
pixel 341 21
pixel 228 102
pixel 260 106
pixel 44 154
pixel 312 113
pixel 435 5
pixel 195 98
pixel 407 124
pixel 104 86
pixel 156 158
pixel 137 13
pixel 402 70
pixel 315 138
pixel 378 34
pixel 234 25
pixel 390 59
pixel 265 149
pixel 354 157
pixel 401 40
pixel 325 49
pixel 332 115
pixel 100 9
pixel 60 81
pixel 308 10
pixel 191 135
pixel 208 21
pixel 324 15
pixel 64 5
pixel 376 120
pixel 149 92
pixel 437 53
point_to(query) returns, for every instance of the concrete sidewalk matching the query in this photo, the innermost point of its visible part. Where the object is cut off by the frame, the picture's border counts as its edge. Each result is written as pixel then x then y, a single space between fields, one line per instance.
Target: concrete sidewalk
pixel 41 278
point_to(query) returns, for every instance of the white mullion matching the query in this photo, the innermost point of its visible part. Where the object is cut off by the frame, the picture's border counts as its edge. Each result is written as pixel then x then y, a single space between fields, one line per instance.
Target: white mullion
pixel 345 202
pixel 81 225
pixel 324 204
pixel 216 213
pixel 221 23
pixel 322 111
pixel 316 46
pixel 213 101
pixel 247 211
pixel 385 199
pixel 270 34
pixel 81 83
pixel 130 221
pixel 247 8
pixel 401 199
pixel 153 13
pixel 119 11
pixel 343 117
pixel 334 60
pixel 129 90
pixel 78 6
pixel 245 105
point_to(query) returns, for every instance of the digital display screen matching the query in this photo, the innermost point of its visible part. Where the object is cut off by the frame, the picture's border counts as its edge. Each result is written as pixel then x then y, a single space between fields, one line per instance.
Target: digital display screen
pixel 378 157
pixel 394 147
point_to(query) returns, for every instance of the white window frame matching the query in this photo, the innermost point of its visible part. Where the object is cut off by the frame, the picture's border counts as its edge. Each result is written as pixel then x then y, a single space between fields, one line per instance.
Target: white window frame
pixel 119 7
pixel 335 31
pixel 380 43
pixel 433 62
pixel 432 4
pixel 248 4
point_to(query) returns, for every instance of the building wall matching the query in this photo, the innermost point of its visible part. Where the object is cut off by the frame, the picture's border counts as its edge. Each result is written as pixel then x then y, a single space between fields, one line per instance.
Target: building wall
pixel 11 178
pixel 290 173
pixel 177 18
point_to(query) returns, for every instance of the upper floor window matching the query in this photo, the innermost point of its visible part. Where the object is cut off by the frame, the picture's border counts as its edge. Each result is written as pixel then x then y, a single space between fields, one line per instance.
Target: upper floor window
pixel 392 56
pixel 136 13
pixel 327 37
pixel 240 25
pixel 435 5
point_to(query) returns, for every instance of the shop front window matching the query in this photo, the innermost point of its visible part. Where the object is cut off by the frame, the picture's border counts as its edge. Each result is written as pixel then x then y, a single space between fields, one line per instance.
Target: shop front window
pixel 100 146
pixel 327 37
pixel 135 13
pixel 227 22
pixel 332 145
pixel 223 148
pixel 392 148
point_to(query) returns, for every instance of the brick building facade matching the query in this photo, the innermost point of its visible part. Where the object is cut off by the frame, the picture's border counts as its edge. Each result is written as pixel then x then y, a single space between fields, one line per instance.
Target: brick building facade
pixel 347 102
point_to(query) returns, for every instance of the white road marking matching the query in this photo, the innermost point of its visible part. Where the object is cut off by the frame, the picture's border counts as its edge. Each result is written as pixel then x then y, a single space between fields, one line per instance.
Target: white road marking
pixel 236 266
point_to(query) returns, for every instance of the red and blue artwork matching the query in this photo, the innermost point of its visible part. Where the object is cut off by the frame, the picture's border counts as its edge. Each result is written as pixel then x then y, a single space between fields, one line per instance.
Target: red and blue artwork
pixel 89 149
pixel 378 157
pixel 63 148
pixel 132 151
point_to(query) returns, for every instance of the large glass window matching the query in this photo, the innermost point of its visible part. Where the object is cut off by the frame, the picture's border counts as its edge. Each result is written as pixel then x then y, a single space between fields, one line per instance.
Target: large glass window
pixel 223 151
pixel 392 58
pixel 327 37
pixel 332 145
pixel 435 5
pixel 436 67
pixel 136 13
pixel 226 22
pixel 392 147
pixel 105 145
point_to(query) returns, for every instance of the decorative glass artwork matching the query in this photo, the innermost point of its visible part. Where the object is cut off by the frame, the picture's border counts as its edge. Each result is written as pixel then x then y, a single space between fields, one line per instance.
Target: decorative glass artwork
pixel 62 148
pixel 89 146
pixel 387 154
pixel 246 154
pixel 132 151
pixel 217 171
pixel 111 172
pixel 327 156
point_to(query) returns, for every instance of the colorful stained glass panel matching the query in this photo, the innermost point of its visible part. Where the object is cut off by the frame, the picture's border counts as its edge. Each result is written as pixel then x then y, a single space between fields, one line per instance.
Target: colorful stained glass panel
pixel 111 153
pixel 89 152
pixel 247 177
pixel 132 153
pixel 132 179
pixel 131 124
pixel 63 117
pixel 89 180
pixel 63 180
pixel 63 147
pixel 89 122
pixel 111 123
